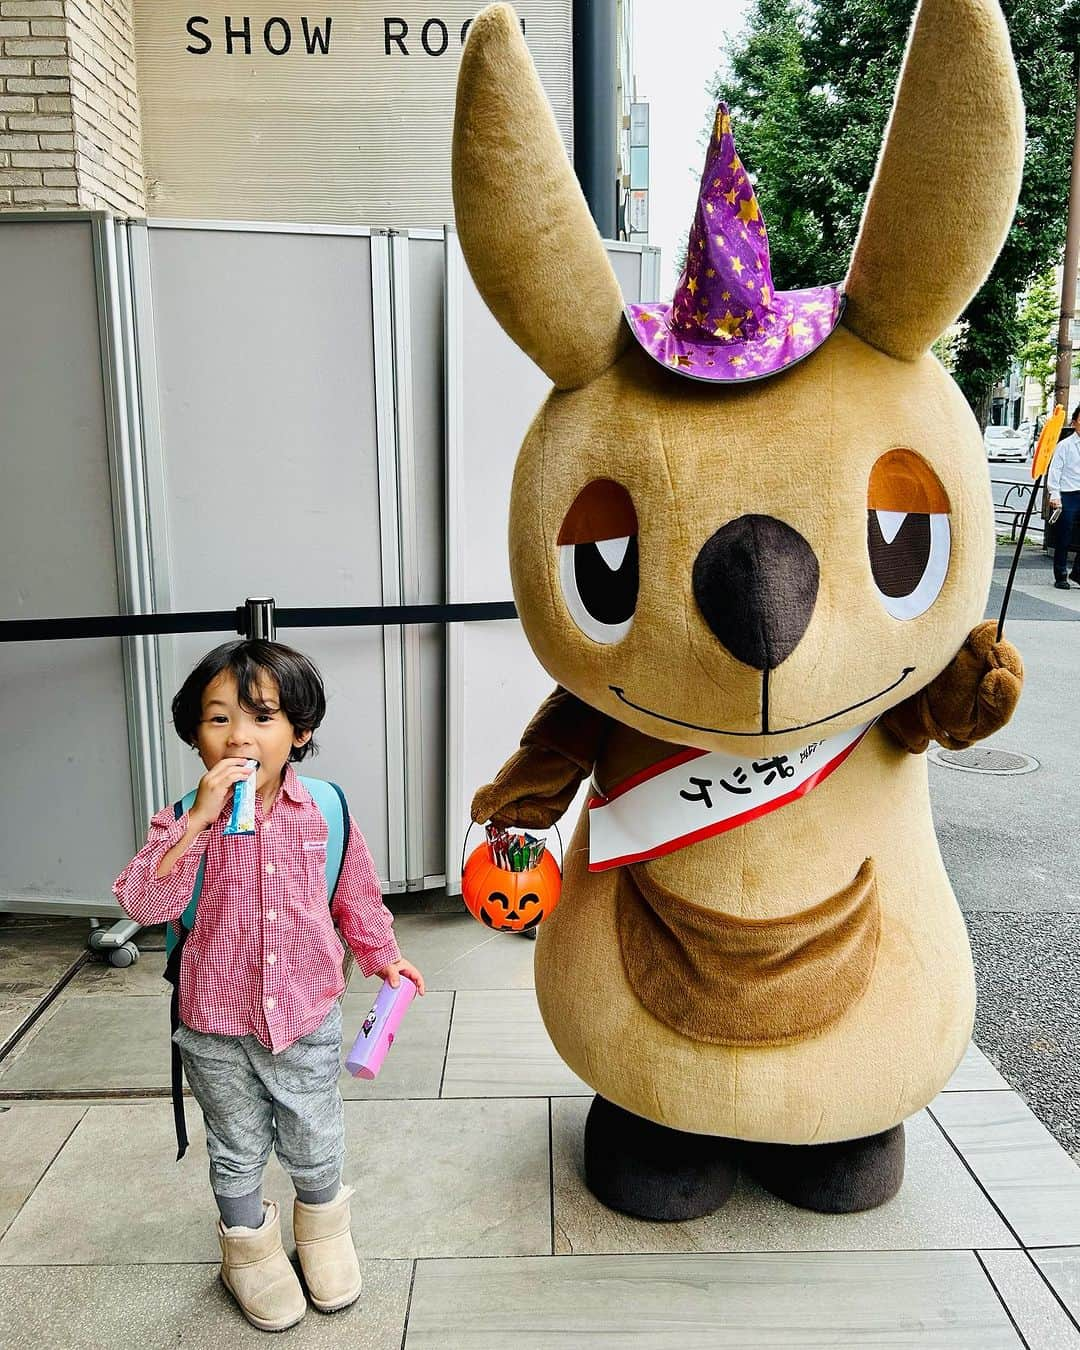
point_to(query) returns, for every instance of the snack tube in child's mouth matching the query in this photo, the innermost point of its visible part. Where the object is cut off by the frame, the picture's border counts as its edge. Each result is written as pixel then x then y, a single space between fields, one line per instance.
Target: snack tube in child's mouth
pixel 242 817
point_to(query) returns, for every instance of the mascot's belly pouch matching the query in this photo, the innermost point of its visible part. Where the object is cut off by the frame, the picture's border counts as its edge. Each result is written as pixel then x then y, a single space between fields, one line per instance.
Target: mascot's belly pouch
pixel 727 980
pixel 830 1012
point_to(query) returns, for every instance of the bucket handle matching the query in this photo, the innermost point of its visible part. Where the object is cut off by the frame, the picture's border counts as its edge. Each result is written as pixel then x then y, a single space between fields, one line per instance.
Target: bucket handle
pixel 473 824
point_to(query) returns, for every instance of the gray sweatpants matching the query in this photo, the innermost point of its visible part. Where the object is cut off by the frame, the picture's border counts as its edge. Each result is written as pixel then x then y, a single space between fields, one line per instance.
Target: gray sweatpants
pixel 253 1100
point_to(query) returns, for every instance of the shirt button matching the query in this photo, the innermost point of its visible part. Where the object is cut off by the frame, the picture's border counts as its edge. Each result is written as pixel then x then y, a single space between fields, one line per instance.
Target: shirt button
pixel 270 869
pixel 271 915
pixel 271 958
pixel 270 1004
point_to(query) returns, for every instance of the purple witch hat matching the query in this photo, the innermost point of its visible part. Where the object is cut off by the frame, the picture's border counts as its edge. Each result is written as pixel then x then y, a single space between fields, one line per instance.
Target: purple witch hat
pixel 726 323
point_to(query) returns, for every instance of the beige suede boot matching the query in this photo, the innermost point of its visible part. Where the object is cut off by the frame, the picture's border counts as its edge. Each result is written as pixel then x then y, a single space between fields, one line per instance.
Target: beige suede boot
pixel 327 1255
pixel 258 1274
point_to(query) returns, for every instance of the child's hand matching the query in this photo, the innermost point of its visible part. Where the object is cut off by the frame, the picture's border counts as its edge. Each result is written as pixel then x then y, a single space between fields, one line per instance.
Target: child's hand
pixel 214 787
pixel 394 970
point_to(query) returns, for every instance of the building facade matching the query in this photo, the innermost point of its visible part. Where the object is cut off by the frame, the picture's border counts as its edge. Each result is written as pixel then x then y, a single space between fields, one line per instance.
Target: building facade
pixel 339 115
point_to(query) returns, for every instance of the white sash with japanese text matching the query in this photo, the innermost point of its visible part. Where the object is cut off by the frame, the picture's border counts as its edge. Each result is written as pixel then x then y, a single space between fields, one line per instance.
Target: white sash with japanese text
pixel 699 793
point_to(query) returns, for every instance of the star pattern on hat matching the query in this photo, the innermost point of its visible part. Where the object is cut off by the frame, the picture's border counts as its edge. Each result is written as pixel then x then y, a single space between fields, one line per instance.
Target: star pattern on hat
pixel 727 327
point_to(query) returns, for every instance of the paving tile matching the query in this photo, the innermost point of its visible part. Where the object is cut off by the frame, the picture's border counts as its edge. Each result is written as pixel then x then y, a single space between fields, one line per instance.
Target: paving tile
pixel 146 976
pixel 35 951
pixel 31 1135
pixel 455 952
pixel 1027 1174
pixel 938 1206
pixel 1042 1321
pixel 115 1195
pixel 1061 1266
pixel 923 1300
pixel 105 1041
pixel 975 1073
pixel 120 1040
pixel 433 1179
pixel 499 1048
pixel 414 1065
pixel 112 1308
pixel 450 1178
pixel 13 1012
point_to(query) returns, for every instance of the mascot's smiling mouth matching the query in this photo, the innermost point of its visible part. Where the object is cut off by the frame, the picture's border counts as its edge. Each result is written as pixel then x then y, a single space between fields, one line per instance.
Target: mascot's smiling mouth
pixel 766 730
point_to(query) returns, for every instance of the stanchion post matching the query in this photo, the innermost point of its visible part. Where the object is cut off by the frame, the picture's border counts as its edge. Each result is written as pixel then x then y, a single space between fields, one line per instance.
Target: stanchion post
pixel 259 618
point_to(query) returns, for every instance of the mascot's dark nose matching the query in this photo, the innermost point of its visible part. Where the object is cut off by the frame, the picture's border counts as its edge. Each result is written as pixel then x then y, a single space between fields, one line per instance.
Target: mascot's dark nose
pixel 756 584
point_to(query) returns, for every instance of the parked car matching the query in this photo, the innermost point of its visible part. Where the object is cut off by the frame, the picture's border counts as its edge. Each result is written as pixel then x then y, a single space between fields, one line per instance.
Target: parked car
pixel 1005 443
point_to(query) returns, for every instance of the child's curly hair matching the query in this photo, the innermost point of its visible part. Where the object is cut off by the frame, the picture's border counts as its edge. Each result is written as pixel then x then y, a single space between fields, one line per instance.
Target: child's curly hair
pixel 300 687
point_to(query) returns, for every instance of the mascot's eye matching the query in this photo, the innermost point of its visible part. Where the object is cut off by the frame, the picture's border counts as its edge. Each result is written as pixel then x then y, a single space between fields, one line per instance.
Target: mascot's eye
pixel 598 560
pixel 908 535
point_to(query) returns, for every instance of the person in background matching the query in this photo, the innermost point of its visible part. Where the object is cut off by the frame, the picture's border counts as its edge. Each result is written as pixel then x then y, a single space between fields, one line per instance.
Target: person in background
pixel 1063 489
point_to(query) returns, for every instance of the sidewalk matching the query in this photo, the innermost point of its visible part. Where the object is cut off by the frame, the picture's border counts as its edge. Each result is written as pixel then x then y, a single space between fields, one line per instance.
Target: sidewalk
pixel 1012 850
pixel 473 1223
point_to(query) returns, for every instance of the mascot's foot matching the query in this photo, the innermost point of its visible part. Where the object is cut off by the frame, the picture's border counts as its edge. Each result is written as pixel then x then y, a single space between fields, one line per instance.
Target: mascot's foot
pixel 652 1172
pixel 840 1178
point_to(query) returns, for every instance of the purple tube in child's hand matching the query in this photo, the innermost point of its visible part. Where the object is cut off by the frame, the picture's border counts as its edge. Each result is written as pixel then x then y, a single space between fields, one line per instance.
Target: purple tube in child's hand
pixel 380 1026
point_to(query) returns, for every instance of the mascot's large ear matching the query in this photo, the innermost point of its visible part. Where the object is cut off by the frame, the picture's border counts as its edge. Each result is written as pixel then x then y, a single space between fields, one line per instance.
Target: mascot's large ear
pixel 946 183
pixel 525 228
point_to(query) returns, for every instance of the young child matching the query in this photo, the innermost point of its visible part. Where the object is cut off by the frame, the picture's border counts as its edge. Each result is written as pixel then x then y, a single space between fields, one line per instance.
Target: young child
pixel 261 972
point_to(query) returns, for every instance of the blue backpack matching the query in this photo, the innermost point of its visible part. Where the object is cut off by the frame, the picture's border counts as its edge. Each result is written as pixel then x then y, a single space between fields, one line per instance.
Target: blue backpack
pixel 333 808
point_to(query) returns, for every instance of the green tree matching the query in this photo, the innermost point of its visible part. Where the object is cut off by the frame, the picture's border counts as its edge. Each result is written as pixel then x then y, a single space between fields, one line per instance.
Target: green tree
pixel 1037 333
pixel 944 348
pixel 810 83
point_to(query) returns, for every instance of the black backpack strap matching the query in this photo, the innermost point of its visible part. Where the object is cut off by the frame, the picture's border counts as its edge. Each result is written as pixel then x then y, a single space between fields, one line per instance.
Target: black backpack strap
pixel 172 974
pixel 179 1120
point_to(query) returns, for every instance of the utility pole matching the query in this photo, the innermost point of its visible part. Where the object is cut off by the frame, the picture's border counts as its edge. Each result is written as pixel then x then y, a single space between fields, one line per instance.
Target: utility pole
pixel 1063 375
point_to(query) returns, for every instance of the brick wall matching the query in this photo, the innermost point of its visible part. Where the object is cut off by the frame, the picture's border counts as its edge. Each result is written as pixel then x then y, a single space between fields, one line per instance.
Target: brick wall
pixel 107 141
pixel 69 123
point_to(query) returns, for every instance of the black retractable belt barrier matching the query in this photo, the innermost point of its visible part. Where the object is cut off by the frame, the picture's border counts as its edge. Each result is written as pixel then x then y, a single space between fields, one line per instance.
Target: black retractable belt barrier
pixel 237 620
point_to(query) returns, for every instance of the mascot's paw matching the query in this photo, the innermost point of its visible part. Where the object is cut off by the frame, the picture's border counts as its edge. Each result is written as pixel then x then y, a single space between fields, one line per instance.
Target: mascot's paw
pixel 534 788
pixel 653 1172
pixel 842 1178
pixel 974 696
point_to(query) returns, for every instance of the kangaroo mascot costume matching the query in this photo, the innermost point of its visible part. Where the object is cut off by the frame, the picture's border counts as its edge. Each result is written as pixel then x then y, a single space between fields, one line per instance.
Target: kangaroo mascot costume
pixel 751 541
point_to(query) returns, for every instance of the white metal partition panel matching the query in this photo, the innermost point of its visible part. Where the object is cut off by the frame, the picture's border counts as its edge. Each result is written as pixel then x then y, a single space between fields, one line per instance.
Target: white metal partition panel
pixel 196 412
pixel 67 817
pixel 418 277
pixel 637 268
pixel 274 438
pixel 494 682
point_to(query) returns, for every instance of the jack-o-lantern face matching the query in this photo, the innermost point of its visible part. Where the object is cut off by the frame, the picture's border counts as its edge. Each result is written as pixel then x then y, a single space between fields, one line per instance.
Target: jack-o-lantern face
pixel 513 901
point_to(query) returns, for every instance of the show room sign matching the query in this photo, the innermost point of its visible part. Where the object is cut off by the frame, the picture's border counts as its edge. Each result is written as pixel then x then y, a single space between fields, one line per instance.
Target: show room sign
pixel 340 114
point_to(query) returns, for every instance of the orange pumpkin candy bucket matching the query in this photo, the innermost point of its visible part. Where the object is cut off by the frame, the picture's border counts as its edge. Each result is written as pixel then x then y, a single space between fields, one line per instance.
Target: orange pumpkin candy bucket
pixel 511 881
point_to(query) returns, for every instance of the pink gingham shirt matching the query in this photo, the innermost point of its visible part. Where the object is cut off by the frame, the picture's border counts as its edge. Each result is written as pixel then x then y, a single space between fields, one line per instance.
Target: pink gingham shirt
pixel 263 958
